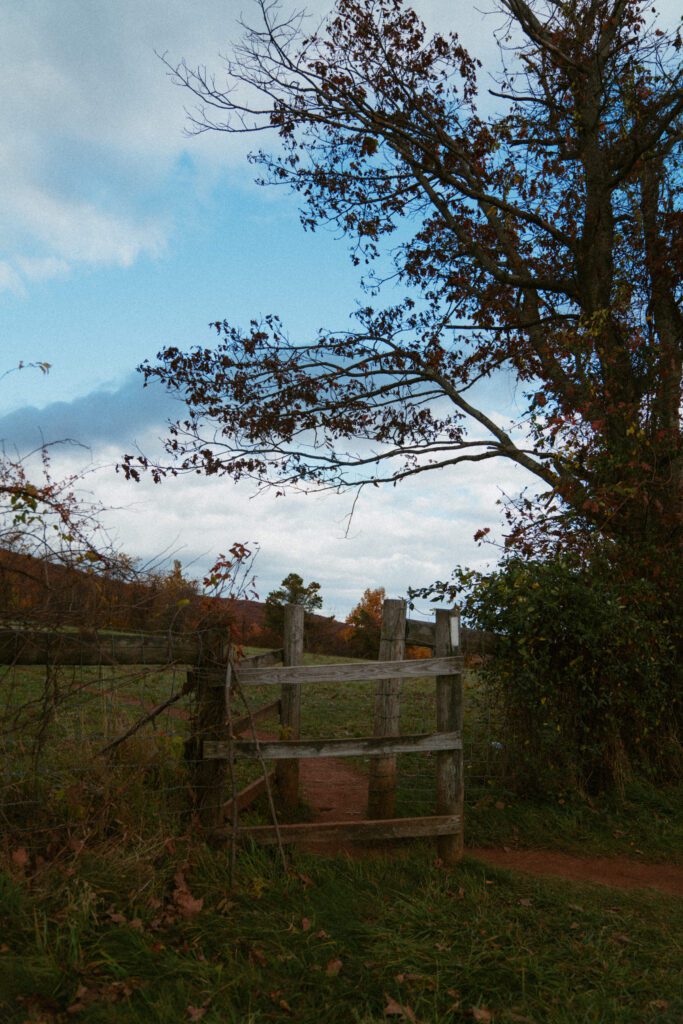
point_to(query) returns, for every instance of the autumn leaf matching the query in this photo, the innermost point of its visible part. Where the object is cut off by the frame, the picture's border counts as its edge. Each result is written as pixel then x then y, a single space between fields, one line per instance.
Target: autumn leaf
pixel 394 1009
pixel 20 857
pixel 333 968
pixel 187 904
pixel 305 924
pixel 481 1014
pixel 183 898
pixel 196 1012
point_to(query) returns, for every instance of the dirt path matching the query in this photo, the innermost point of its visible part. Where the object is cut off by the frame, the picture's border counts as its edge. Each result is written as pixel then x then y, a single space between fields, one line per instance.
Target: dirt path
pixel 335 792
pixel 618 872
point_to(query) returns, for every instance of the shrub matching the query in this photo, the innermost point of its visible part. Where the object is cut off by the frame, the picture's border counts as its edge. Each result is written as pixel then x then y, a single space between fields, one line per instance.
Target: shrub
pixel 585 669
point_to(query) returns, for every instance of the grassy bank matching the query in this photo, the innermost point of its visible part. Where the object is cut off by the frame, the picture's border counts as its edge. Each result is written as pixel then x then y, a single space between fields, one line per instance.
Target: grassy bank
pixel 103 936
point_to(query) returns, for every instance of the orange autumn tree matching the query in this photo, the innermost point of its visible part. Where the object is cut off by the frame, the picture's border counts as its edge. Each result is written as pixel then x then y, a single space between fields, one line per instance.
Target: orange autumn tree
pixel 365 622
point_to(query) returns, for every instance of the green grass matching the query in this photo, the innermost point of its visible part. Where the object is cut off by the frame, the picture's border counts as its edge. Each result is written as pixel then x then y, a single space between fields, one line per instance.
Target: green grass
pixel 331 941
pixel 101 857
pixel 70 784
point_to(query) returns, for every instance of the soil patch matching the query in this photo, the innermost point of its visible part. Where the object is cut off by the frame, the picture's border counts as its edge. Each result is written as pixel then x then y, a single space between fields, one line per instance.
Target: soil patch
pixel 618 872
pixel 336 792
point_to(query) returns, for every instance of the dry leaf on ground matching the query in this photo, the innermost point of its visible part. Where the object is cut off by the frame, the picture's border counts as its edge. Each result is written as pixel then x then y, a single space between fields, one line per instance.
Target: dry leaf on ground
pixel 395 1009
pixel 20 857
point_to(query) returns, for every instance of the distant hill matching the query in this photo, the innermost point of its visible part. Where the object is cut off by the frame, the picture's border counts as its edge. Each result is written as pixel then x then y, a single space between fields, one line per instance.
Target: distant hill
pixel 39 591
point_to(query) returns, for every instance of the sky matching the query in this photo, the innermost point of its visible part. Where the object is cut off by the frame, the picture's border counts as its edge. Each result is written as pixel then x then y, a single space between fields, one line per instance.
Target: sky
pixel 120 235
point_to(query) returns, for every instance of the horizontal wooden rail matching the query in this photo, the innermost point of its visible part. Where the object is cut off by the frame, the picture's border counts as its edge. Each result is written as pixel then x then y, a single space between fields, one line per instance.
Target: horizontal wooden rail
pixel 36 647
pixel 472 641
pixel 252 792
pixel 354 672
pixel 375 746
pixel 241 725
pixel 351 831
pixel 261 660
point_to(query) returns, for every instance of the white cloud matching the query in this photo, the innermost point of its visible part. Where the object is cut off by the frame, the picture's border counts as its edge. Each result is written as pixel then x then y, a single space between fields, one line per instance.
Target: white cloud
pixel 10 280
pixel 409 535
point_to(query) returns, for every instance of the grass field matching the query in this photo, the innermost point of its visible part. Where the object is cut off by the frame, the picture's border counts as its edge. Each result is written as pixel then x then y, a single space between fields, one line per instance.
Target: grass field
pixel 111 910
pixel 101 937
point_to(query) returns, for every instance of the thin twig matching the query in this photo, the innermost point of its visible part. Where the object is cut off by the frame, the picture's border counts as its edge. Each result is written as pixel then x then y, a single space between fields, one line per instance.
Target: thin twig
pixel 150 716
pixel 231 768
pixel 266 778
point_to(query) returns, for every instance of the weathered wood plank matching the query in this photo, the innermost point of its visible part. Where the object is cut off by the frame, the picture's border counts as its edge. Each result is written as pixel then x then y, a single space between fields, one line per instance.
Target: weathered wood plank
pixel 356 672
pixel 472 641
pixel 290 702
pixel 419 634
pixel 246 796
pixel 261 660
pixel 371 746
pixel 241 725
pixel 37 647
pixel 392 649
pixel 449 764
pixel 350 831
pixel 210 723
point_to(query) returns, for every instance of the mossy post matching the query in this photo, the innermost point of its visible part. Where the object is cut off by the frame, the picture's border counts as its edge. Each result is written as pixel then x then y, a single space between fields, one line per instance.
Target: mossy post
pixel 290 713
pixel 392 646
pixel 210 723
pixel 449 718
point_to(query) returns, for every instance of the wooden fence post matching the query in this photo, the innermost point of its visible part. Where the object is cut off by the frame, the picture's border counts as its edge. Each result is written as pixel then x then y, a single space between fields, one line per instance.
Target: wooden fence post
pixel 392 646
pixel 210 723
pixel 290 712
pixel 449 718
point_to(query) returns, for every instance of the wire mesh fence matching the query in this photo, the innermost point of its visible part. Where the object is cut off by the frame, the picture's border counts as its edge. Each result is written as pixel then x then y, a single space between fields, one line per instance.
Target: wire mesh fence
pixel 57 778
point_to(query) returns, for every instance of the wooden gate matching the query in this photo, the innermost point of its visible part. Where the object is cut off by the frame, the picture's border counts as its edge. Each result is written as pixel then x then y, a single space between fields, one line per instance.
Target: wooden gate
pixel 390 671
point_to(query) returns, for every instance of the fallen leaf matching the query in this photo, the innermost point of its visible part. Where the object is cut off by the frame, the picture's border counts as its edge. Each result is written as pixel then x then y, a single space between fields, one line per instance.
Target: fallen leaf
pixel 659 1004
pixel 499 805
pixel 305 924
pixel 394 1009
pixel 322 934
pixel 187 904
pixel 259 956
pixel 519 1018
pixel 621 937
pixel 20 857
pixel 196 1012
pixel 333 968
pixel 278 1000
pixel 525 902
pixel 482 1014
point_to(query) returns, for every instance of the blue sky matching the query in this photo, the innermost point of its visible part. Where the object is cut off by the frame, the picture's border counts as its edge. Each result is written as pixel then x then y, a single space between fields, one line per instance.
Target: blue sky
pixel 120 235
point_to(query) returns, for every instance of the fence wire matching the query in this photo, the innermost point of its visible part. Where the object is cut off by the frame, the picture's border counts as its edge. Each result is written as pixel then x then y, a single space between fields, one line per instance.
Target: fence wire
pixel 55 721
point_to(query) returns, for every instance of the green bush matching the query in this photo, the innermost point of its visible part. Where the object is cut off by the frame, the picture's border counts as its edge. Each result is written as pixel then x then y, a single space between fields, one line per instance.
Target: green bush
pixel 585 669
